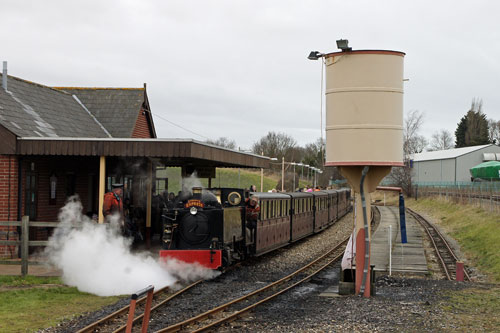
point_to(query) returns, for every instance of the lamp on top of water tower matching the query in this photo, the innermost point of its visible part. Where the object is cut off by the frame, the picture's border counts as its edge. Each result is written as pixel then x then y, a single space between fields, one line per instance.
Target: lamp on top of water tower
pixel 315 55
pixel 343 44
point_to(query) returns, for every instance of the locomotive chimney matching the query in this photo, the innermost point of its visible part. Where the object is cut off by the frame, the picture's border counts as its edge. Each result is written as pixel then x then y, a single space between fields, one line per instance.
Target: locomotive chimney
pixel 197 193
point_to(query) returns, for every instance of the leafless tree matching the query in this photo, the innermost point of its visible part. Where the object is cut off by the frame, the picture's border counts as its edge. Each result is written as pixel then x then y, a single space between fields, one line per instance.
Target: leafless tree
pixel 494 131
pixel 441 140
pixel 276 145
pixel 413 143
pixel 223 142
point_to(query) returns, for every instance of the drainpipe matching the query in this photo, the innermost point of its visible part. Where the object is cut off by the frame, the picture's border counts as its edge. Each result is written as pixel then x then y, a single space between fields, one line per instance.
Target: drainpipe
pixel 4 76
pixel 19 197
pixel 367 239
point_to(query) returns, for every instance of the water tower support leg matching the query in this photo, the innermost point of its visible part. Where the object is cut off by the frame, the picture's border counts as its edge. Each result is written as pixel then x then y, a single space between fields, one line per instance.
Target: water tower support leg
pixel 374 176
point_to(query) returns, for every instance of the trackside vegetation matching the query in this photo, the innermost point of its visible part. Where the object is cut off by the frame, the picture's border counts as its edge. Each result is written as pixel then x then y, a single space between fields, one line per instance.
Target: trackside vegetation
pixel 32 303
pixel 475 229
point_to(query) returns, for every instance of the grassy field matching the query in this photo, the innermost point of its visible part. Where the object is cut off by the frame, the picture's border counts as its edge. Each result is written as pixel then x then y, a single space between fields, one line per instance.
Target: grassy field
pixel 226 178
pixel 31 303
pixel 474 309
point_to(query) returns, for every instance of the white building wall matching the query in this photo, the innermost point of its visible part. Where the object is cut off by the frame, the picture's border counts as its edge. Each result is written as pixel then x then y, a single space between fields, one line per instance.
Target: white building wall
pixel 434 171
pixel 467 161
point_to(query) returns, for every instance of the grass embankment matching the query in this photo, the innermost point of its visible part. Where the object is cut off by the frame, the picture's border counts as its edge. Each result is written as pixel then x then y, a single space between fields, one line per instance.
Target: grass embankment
pixel 473 310
pixel 31 303
pixel 476 230
pixel 226 178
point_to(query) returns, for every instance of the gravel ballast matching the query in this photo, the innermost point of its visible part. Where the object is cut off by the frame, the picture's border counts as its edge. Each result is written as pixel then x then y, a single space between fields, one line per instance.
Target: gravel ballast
pixel 401 304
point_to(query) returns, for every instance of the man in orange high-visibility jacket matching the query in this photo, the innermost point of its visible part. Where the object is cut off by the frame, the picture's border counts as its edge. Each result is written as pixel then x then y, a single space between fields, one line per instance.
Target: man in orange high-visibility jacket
pixel 113 202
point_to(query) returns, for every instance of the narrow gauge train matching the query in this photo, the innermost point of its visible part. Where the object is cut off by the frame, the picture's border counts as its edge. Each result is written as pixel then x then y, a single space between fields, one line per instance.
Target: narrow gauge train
pixel 210 226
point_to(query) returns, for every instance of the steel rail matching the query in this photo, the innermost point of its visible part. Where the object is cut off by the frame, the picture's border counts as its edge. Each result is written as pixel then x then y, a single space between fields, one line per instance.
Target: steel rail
pixel 428 225
pixel 94 326
pixel 139 317
pixel 250 307
pixel 181 325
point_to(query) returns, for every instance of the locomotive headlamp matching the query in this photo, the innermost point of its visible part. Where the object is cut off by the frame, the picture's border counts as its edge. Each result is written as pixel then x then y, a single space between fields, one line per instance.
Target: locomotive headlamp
pixel 193 210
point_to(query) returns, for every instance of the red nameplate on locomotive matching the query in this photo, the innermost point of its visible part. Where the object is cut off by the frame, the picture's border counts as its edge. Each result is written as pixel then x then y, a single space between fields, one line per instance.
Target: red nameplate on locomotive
pixel 194 203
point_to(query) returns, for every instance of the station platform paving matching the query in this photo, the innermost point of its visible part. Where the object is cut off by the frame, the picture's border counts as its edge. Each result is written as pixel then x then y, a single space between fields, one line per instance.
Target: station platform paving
pixel 406 258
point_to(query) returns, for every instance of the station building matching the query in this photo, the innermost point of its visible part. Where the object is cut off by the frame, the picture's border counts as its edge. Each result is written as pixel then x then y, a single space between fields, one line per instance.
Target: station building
pixel 59 141
pixel 450 166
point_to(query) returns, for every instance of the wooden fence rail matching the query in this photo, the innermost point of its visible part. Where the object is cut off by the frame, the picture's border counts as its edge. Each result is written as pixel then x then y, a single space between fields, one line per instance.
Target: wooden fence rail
pixel 25 243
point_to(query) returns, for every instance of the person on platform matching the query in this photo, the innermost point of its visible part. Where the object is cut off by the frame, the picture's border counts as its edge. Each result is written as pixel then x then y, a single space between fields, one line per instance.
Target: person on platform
pixel 113 203
pixel 253 188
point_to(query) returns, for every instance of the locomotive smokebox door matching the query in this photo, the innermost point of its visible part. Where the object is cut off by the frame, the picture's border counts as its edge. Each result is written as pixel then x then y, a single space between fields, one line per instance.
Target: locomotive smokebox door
pixel 198 228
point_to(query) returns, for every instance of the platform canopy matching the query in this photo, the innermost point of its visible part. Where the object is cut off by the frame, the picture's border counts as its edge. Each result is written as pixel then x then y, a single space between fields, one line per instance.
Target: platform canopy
pixel 171 152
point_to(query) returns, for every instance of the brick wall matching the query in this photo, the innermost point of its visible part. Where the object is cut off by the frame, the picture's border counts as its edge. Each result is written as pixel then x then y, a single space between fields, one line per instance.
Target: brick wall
pixel 47 210
pixel 8 202
pixel 142 128
pixel 64 169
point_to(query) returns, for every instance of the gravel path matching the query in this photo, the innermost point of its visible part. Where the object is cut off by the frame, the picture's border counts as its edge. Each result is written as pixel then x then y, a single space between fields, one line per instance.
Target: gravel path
pixel 400 305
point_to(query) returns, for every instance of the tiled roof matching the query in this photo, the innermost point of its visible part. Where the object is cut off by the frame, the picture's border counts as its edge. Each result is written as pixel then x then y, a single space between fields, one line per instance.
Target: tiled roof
pixel 29 109
pixel 116 109
pixel 445 154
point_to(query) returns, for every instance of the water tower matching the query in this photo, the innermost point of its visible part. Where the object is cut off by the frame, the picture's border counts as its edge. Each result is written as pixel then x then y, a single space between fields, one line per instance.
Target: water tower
pixel 364 130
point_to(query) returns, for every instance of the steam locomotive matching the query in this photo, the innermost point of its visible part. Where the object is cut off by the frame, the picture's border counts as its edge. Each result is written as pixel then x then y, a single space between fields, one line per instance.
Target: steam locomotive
pixel 210 226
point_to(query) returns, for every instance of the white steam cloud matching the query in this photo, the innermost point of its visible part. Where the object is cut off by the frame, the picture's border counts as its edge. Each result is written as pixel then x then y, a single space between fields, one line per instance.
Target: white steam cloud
pixel 189 182
pixel 97 259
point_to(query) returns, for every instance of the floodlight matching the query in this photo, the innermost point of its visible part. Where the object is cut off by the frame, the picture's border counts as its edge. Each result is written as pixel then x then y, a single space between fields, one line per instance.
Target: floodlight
pixel 315 55
pixel 343 44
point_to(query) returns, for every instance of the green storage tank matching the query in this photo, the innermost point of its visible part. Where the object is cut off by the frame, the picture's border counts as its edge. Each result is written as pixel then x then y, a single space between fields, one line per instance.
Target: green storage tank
pixel 487 170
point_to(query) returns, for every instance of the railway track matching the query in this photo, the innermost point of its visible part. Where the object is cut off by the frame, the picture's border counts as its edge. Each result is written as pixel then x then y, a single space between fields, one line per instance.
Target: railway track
pixel 443 250
pixel 237 307
pixel 117 321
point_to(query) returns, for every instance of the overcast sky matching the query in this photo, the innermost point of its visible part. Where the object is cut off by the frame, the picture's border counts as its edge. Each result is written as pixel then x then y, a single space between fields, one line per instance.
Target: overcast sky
pixel 239 69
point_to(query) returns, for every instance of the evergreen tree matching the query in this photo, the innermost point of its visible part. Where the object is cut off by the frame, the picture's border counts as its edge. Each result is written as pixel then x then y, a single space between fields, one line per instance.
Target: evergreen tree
pixel 473 127
pixel 460 133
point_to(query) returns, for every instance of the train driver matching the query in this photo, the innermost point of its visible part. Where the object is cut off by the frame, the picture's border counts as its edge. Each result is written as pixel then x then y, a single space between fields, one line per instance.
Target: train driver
pixel 113 203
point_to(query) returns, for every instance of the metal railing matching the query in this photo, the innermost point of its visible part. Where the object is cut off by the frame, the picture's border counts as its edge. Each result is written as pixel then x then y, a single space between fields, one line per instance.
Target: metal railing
pixel 483 185
pixel 147 309
pixel 24 243
pixel 485 198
